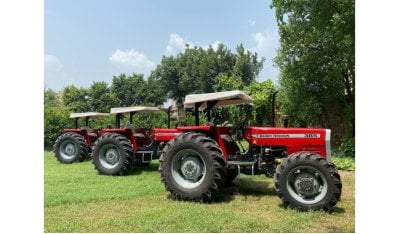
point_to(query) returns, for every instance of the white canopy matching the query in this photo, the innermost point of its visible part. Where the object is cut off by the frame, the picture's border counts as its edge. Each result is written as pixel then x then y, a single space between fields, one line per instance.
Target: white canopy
pixel 118 110
pixel 234 97
pixel 87 114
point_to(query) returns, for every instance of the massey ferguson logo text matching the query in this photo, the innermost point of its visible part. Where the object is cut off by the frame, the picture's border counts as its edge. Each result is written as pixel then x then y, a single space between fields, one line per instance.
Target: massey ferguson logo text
pixel 305 135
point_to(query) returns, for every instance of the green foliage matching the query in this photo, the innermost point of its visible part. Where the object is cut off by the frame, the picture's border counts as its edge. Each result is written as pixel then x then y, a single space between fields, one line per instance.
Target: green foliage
pixel 247 65
pixel 154 92
pixel 317 60
pixel 147 120
pixel 135 90
pixel 100 98
pixel 198 70
pixel 347 148
pixel 239 116
pixel 344 163
pixel 51 98
pixel 55 120
pixel 262 96
pixel 226 82
pixel 101 122
pixel 75 99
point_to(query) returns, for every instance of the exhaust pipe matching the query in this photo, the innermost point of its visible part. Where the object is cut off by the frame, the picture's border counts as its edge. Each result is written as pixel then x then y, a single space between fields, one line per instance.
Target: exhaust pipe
pixel 273 108
pixel 285 119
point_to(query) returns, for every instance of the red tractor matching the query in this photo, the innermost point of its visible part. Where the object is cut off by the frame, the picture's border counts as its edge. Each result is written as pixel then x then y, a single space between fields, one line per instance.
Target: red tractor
pixel 196 164
pixel 118 149
pixel 74 144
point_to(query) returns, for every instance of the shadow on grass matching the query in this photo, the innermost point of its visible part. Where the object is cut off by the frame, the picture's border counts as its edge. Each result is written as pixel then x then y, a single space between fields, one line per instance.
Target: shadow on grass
pixel 249 188
pixel 245 187
pixel 137 170
pixel 335 210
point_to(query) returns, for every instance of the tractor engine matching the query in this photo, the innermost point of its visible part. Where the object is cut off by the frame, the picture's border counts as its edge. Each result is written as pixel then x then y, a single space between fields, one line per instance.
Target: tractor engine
pixel 315 140
pixel 267 146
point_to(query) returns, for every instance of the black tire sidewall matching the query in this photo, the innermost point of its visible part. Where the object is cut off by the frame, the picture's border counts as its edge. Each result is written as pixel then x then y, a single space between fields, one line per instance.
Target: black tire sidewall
pixel 314 164
pixel 79 154
pixel 96 155
pixel 210 170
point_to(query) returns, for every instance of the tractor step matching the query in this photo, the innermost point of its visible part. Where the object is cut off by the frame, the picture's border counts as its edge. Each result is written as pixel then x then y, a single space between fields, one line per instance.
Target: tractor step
pixel 241 163
pixel 146 156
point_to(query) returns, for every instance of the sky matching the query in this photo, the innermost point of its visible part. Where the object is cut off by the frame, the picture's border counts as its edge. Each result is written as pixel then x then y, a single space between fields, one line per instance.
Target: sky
pixel 93 40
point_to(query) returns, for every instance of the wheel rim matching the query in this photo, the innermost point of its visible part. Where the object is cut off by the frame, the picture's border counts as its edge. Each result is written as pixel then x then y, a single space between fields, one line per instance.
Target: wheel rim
pixel 307 185
pixel 68 149
pixel 188 169
pixel 109 156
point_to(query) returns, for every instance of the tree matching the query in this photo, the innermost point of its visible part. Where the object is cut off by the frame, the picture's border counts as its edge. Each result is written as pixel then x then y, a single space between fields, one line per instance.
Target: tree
pixel 55 120
pixel 316 61
pixel 155 94
pixel 262 96
pixel 135 90
pixel 100 97
pixel 51 98
pixel 247 65
pixel 75 99
pixel 226 82
pixel 55 117
pixel 197 70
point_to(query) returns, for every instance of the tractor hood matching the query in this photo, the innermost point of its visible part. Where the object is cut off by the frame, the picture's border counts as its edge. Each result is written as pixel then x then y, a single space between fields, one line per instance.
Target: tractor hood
pixel 317 140
pixel 235 97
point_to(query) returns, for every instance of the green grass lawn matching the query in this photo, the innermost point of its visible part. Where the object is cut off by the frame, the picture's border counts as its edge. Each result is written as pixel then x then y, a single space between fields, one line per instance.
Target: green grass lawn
pixel 77 199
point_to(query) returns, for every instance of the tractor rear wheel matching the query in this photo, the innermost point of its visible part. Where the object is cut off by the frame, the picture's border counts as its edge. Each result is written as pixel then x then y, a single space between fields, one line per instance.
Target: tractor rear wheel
pixel 192 167
pixel 70 147
pixel 306 181
pixel 113 155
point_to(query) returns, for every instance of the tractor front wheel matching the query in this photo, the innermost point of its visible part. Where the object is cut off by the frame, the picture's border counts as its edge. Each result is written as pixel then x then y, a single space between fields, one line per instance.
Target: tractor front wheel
pixel 113 154
pixel 192 167
pixel 70 147
pixel 306 181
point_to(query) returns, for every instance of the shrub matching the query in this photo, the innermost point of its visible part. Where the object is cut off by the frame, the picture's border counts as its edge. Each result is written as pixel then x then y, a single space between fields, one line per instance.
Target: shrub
pixel 55 120
pixel 347 148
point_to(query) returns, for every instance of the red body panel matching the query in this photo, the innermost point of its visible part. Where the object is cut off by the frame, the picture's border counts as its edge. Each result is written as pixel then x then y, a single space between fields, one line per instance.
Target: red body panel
pixel 195 128
pixel 163 134
pixel 223 137
pixel 294 139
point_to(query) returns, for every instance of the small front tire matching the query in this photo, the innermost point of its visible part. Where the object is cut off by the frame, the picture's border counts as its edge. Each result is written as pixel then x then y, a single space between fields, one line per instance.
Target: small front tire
pixel 113 155
pixel 70 147
pixel 307 181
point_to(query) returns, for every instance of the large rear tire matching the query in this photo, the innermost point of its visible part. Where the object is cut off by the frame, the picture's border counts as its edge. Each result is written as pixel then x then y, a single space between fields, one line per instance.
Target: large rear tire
pixel 70 147
pixel 306 181
pixel 192 167
pixel 113 155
